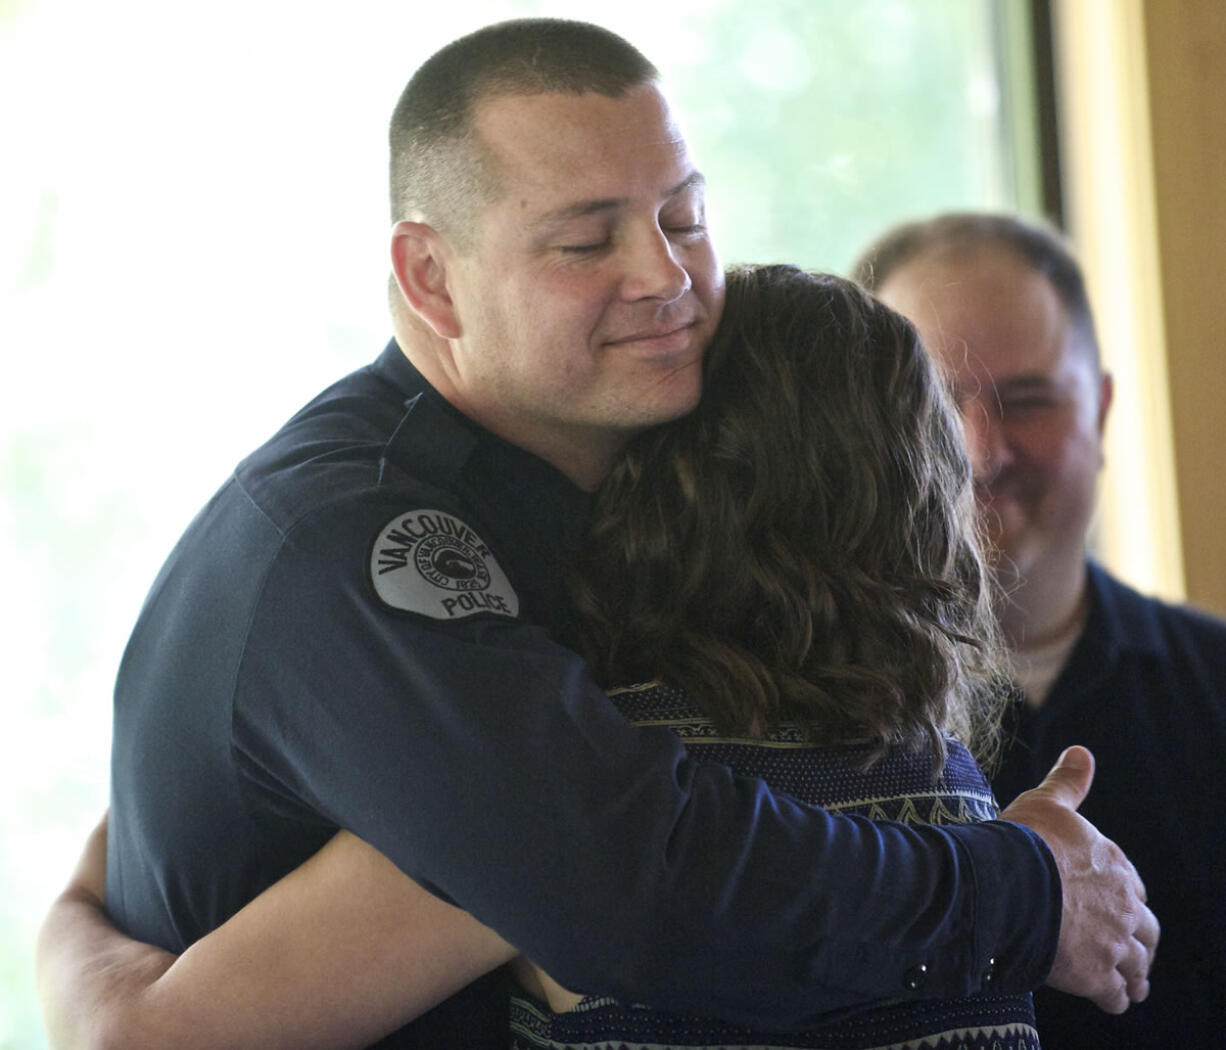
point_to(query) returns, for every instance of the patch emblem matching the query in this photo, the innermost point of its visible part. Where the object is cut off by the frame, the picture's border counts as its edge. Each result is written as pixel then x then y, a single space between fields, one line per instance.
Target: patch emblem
pixel 430 562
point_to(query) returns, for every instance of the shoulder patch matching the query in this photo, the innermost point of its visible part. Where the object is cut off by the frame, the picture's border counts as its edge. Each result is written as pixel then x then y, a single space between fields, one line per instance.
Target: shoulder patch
pixel 432 563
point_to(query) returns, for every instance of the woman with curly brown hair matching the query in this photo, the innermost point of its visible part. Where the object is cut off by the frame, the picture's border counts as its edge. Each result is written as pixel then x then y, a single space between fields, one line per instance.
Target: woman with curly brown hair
pixel 794 571
pixel 803 545
pixel 790 580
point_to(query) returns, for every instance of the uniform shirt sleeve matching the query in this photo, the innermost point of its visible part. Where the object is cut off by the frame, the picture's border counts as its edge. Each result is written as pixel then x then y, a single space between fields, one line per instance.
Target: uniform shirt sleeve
pixel 482 760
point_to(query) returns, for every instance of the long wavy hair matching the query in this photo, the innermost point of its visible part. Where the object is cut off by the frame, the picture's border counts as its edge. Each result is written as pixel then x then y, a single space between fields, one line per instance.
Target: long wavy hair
pixel 803 546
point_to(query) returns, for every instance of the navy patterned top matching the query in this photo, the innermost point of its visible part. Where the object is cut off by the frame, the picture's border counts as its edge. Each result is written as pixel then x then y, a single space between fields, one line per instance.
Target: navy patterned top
pixel 899 787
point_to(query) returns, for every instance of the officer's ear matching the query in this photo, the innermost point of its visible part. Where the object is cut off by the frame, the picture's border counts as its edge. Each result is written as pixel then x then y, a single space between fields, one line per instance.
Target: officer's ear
pixel 419 263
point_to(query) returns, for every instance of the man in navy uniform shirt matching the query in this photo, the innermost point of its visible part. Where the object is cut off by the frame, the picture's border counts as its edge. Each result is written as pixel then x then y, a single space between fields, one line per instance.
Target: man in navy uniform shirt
pixel 360 630
pixel 1003 305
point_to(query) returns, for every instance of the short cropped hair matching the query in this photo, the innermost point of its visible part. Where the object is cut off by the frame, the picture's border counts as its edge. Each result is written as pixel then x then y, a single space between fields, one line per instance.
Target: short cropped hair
pixel 1041 247
pixel 439 172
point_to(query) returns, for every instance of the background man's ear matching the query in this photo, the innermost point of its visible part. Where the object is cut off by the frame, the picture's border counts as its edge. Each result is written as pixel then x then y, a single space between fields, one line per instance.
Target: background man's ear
pixel 1106 392
pixel 419 264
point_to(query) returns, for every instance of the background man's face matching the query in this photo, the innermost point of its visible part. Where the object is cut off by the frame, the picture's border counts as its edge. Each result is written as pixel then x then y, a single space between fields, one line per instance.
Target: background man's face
pixel 1033 402
pixel 592 289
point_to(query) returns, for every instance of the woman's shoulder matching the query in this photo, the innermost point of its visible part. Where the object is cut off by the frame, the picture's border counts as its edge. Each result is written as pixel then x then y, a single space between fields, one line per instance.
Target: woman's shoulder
pixel 901 785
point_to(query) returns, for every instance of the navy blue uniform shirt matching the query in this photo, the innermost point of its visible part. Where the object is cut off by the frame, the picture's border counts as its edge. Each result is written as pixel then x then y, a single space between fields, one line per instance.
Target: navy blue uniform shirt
pixel 1145 690
pixel 356 632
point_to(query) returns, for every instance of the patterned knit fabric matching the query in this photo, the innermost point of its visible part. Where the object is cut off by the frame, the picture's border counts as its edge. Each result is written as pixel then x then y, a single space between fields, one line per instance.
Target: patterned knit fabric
pixel 899 787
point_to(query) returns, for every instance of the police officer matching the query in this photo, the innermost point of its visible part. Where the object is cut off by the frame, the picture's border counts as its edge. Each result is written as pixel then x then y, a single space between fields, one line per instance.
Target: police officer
pixel 359 630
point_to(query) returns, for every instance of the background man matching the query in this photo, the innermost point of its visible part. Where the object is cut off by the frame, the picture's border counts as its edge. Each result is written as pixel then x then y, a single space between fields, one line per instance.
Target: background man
pixel 1002 305
pixel 355 632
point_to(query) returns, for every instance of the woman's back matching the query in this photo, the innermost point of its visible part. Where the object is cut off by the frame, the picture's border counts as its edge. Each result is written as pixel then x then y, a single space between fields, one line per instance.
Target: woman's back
pixel 900 786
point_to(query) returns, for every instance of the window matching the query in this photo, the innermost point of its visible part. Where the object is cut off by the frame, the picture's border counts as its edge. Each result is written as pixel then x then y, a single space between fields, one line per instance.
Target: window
pixel 192 242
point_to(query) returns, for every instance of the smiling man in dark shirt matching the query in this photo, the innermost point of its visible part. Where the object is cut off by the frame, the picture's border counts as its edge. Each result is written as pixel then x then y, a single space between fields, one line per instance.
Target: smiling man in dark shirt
pixel 1003 306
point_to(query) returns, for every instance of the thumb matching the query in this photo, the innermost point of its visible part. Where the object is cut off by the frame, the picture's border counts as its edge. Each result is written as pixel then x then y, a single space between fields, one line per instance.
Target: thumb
pixel 1069 781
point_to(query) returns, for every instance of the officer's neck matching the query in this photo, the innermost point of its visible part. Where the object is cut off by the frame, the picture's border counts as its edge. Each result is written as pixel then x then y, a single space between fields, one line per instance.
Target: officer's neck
pixel 583 454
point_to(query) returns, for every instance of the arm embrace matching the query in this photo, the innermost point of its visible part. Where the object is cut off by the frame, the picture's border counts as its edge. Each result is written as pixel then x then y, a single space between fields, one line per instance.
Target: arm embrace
pixel 342 951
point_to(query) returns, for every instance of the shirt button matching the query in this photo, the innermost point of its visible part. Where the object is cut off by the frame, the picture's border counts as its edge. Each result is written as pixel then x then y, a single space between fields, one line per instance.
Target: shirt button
pixel 915 978
pixel 989 973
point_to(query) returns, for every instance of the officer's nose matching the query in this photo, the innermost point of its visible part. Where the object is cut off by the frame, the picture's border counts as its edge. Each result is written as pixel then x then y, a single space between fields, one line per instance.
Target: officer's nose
pixel 653 268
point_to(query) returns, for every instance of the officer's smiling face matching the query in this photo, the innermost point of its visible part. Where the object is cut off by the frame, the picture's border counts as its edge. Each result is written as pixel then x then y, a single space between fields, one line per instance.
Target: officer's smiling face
pixel 591 288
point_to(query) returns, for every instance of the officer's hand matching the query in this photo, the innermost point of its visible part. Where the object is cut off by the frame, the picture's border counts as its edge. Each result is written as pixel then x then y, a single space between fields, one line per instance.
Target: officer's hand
pixel 1107 934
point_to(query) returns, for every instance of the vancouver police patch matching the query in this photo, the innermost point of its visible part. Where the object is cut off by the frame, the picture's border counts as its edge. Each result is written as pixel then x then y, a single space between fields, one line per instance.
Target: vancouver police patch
pixel 430 562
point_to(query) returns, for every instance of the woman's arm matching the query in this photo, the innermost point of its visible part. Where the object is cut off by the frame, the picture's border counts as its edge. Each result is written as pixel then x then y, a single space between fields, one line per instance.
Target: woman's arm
pixel 340 952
